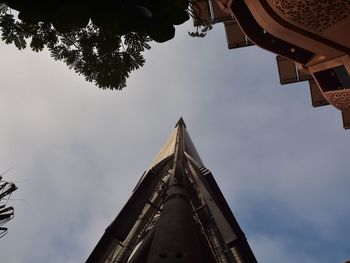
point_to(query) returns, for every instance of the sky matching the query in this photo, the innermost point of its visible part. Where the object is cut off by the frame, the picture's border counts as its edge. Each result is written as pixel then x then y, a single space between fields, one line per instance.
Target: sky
pixel 76 151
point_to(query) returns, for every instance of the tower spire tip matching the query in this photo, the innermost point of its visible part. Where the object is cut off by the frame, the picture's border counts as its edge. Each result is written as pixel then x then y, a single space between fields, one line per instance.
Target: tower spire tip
pixel 180 122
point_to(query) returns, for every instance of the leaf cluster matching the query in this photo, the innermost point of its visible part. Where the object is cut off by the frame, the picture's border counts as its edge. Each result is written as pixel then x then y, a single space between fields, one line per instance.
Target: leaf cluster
pixel 156 18
pixel 99 55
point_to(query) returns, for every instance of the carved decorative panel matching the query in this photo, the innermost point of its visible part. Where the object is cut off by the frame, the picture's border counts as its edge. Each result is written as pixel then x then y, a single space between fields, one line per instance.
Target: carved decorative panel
pixel 339 99
pixel 316 15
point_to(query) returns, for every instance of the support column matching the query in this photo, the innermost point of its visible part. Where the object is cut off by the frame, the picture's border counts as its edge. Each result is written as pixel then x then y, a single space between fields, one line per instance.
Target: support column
pixel 176 238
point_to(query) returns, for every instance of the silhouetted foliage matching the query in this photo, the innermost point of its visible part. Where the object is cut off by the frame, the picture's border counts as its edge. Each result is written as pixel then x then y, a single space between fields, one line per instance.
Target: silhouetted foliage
pixel 102 40
pixel 6 212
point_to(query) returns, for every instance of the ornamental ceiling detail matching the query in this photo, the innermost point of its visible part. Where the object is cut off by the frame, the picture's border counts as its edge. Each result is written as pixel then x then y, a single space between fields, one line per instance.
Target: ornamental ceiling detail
pixel 339 99
pixel 316 15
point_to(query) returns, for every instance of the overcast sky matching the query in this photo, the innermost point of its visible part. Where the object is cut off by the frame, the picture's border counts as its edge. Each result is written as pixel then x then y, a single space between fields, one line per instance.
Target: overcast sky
pixel 76 151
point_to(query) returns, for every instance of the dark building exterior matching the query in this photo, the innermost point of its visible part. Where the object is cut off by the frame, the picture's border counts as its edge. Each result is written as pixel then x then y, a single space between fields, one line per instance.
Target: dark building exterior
pixel 310 37
pixel 176 213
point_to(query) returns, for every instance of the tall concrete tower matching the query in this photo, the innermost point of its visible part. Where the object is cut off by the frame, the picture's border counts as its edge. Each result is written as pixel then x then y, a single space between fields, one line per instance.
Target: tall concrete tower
pixel 176 213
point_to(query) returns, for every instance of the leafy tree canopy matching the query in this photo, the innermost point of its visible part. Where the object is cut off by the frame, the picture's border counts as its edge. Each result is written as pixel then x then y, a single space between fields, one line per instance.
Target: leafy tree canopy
pixel 102 40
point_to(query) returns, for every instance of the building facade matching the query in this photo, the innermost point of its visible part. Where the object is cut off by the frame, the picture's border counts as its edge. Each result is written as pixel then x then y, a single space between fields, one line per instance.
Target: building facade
pixel 310 38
